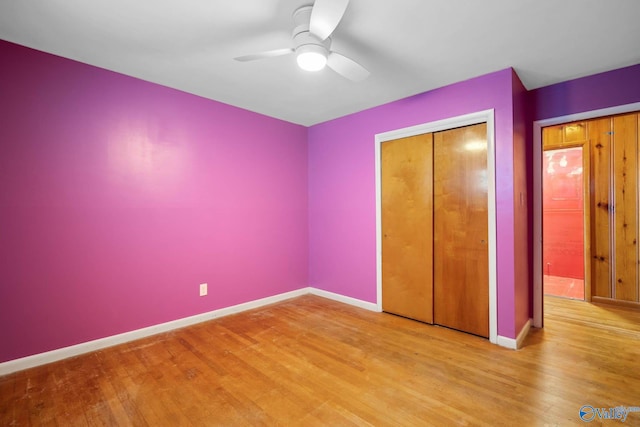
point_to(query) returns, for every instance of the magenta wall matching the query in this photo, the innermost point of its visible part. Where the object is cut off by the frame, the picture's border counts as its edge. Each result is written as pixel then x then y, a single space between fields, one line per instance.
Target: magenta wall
pixel 342 233
pixel 118 197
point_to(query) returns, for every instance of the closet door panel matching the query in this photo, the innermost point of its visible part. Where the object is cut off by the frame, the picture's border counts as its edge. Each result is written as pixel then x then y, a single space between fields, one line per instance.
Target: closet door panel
pixel 461 271
pixel 600 228
pixel 407 227
pixel 625 184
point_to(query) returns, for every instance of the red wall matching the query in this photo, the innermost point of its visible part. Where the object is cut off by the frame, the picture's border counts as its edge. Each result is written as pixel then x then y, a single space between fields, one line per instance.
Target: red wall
pixel 563 213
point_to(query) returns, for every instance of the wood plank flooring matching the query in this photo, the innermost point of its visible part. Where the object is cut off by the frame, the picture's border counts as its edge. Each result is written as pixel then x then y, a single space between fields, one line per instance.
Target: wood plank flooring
pixel 311 361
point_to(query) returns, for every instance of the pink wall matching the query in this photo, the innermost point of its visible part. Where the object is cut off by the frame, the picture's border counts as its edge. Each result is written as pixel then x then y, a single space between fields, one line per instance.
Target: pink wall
pixel 118 197
pixel 342 252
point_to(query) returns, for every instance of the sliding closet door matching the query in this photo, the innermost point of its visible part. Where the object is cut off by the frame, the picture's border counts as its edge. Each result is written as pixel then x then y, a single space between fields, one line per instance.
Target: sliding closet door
pixel 625 212
pixel 599 226
pixel 461 249
pixel 407 227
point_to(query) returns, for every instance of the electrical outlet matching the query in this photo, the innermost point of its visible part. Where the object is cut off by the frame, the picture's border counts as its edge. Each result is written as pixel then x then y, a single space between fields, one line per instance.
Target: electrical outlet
pixel 203 289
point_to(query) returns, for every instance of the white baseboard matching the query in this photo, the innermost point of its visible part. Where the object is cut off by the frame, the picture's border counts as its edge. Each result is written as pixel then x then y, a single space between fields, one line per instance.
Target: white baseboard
pixel 86 347
pixel 515 344
pixel 347 300
pixel 89 346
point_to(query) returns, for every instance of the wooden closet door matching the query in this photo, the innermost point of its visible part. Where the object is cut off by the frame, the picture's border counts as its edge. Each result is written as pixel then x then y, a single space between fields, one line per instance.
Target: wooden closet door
pixel 599 132
pixel 625 218
pixel 461 250
pixel 407 227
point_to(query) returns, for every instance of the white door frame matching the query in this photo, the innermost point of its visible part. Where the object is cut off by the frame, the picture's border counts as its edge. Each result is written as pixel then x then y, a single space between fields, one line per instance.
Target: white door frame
pixel 486 116
pixel 537 193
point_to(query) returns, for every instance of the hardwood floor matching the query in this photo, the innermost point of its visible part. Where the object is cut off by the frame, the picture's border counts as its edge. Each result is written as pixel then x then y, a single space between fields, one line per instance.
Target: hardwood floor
pixel 312 361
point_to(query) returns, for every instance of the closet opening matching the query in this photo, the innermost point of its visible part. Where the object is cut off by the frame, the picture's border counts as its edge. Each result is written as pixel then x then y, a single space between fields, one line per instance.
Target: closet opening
pixel 417 171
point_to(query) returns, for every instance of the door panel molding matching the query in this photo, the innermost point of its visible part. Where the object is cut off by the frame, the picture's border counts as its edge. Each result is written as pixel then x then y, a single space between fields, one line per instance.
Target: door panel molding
pixel 486 116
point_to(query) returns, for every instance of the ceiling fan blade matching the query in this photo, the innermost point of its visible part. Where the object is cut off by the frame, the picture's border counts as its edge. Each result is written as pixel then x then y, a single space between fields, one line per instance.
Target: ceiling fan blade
pixel 326 16
pixel 263 55
pixel 347 67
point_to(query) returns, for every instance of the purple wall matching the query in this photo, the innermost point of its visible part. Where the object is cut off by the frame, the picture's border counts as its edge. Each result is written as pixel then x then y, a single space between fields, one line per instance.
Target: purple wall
pixel 610 89
pixel 522 170
pixel 342 252
pixel 118 197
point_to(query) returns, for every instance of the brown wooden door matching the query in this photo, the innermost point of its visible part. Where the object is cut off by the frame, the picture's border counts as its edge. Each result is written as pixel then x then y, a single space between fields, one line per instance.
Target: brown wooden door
pixel 461 250
pixel 407 227
pixel 599 226
pixel 625 212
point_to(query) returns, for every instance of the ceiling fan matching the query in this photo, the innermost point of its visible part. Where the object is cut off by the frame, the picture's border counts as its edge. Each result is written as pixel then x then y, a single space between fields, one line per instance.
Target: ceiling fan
pixel 313 26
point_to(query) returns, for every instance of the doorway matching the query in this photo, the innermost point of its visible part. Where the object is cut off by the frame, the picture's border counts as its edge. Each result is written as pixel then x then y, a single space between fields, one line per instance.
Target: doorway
pixel 563 219
pixel 610 237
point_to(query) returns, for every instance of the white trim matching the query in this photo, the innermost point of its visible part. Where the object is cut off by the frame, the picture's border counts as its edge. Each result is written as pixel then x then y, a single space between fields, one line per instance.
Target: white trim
pixel 515 344
pixel 486 116
pixel 344 299
pixel 537 192
pixel 89 346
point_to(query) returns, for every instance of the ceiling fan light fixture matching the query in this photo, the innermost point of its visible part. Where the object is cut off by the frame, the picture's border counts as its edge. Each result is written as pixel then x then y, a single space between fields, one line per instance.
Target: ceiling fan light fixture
pixel 311 57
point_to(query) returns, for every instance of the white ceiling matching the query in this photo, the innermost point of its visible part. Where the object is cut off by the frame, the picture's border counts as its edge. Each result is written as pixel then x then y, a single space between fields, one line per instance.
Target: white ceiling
pixel 409 46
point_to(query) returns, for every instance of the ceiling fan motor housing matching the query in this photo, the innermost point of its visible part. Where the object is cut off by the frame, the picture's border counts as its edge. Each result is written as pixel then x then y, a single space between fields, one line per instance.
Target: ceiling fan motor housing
pixel 303 39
